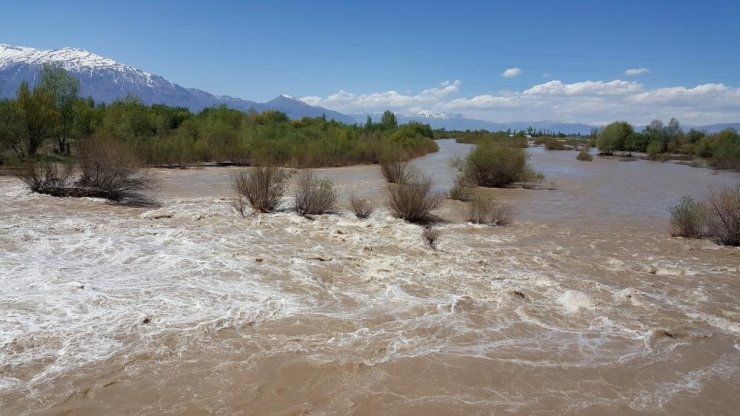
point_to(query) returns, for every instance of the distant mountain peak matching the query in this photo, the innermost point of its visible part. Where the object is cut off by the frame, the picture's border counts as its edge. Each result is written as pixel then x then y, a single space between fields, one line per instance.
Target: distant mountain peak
pixel 68 58
pixel 289 97
pixel 106 80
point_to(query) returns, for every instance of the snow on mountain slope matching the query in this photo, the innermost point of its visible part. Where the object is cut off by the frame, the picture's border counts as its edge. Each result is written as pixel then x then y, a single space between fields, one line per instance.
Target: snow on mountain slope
pixel 101 78
pixel 107 80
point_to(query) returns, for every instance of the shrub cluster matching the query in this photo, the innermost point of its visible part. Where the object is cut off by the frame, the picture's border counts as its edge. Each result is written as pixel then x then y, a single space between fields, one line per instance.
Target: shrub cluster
pixel 314 196
pixel 104 169
pixel 484 209
pixel 584 156
pixel 262 186
pixel 413 200
pixel 498 164
pixel 717 218
pixel 361 207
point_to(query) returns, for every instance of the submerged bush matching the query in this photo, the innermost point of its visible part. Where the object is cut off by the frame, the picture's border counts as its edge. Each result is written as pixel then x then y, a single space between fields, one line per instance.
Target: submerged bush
pixel 584 156
pixel 430 236
pixel 484 209
pixel 718 218
pixel 495 164
pixel 106 168
pixel 462 189
pixel 688 218
pixel 553 144
pixel 413 201
pixel 40 176
pixel 396 171
pixel 314 196
pixel 362 207
pixel 723 207
pixel 109 166
pixel 262 186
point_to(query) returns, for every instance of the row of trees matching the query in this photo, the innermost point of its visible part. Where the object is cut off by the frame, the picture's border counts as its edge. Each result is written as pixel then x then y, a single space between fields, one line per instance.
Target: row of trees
pixel 722 149
pixel 51 118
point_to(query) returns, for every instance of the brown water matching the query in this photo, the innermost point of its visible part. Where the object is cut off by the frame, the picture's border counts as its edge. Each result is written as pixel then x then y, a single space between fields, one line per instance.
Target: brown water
pixel 584 306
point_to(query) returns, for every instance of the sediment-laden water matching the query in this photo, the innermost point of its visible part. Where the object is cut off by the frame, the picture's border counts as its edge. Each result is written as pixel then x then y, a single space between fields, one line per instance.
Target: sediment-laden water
pixel 584 306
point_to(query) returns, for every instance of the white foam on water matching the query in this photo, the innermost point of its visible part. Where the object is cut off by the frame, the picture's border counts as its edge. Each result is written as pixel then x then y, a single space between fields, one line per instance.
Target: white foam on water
pixel 573 301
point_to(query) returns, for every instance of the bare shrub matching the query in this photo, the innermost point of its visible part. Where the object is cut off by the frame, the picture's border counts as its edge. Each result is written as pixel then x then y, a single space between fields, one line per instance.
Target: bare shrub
pixel 484 209
pixel 462 189
pixel 262 186
pixel 723 212
pixel 688 218
pixel 413 201
pixel 108 166
pixel 40 176
pixel 584 156
pixel 362 207
pixel 239 203
pixel 396 172
pixel 314 196
pixel 430 236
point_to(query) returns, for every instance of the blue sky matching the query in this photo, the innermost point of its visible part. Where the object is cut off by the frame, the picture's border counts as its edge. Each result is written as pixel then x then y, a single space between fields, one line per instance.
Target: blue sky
pixel 567 60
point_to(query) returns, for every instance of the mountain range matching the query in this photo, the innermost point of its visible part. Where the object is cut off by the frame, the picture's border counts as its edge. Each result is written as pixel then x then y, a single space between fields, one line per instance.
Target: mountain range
pixel 106 80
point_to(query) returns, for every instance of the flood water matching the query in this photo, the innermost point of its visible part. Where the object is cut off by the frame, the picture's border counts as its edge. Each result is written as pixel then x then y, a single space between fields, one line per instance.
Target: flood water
pixel 585 305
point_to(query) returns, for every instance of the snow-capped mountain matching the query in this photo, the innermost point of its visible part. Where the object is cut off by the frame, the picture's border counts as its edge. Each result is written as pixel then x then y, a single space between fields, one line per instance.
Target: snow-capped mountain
pixel 107 80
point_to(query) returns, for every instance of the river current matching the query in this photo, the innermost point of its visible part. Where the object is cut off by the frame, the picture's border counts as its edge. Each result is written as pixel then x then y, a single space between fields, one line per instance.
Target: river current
pixel 584 305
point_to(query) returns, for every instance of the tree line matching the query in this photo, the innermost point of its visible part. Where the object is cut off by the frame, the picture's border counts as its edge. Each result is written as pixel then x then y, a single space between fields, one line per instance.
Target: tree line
pixel 661 140
pixel 50 119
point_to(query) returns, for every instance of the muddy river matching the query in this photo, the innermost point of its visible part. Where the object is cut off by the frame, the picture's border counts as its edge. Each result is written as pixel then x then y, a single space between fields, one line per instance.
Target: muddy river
pixel 585 305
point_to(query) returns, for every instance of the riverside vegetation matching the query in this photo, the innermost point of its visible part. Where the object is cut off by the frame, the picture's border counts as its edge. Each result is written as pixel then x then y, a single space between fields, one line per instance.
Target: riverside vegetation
pixel 717 218
pixel 49 125
pixel 663 141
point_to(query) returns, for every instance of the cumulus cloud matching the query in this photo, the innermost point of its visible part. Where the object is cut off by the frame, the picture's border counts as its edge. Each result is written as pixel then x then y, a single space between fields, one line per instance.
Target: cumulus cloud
pixel 511 72
pixel 635 72
pixel 585 101
pixel 350 102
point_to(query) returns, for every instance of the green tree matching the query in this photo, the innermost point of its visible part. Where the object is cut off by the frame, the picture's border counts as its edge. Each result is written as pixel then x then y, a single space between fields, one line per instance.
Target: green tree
pixel 37 117
pixel 614 137
pixel 389 120
pixel 10 125
pixel 65 90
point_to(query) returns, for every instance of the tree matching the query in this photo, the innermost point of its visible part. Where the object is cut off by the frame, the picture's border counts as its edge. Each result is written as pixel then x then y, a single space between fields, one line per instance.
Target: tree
pixel 65 89
pixel 389 120
pixel 614 137
pixel 36 117
pixel 10 124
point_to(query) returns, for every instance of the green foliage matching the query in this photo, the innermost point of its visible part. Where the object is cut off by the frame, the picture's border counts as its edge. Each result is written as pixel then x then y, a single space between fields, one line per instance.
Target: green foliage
pixel 614 137
pixel 388 121
pixel 480 136
pixel 584 156
pixel 496 164
pixel 718 218
pixel 462 189
pixel 65 89
pixel 36 120
pixel 725 149
pixel 688 218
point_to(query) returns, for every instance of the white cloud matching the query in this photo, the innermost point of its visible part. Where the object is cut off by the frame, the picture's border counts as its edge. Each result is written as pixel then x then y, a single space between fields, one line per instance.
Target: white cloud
pixel 585 101
pixel 350 102
pixel 635 72
pixel 511 72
